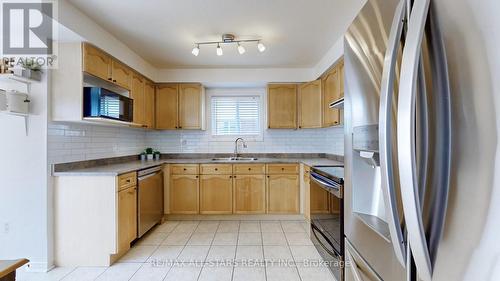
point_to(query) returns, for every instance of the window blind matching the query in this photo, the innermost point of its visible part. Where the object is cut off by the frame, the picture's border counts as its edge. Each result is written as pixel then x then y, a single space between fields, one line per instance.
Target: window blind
pixel 235 115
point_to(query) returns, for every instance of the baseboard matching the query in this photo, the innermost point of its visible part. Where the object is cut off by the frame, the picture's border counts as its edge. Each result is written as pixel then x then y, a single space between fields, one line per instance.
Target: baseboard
pixel 264 217
pixel 38 267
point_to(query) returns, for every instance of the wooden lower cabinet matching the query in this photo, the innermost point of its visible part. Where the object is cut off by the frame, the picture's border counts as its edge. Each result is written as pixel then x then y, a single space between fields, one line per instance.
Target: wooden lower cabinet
pixel 283 194
pixel 127 218
pixel 319 199
pixel 216 194
pixel 184 194
pixel 249 194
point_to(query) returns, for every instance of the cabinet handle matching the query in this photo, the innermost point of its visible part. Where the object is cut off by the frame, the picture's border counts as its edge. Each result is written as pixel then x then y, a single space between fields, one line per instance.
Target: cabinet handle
pixel 196 176
pixel 180 127
pixel 128 180
pixel 110 79
pixel 114 80
pixel 216 169
pixel 176 127
pixel 249 169
pixel 234 176
pixel 300 127
pixel 282 169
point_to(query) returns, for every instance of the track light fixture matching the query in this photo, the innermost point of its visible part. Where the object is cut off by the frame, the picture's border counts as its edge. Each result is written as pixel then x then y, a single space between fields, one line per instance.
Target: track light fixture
pixel 196 50
pixel 219 50
pixel 229 39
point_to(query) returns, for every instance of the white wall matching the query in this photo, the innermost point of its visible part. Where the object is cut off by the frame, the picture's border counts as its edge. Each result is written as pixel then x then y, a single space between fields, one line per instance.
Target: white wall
pixel 25 193
pixel 69 142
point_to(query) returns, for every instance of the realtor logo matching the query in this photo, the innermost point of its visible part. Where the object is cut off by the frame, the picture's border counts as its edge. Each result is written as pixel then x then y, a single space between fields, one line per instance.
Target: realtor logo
pixel 27 28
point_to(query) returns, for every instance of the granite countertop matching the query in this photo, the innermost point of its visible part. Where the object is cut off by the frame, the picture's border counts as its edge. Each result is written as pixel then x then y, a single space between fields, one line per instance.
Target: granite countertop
pixel 131 166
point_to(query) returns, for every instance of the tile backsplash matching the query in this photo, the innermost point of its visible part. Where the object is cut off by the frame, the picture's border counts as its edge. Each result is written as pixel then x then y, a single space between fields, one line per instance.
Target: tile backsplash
pixel 327 140
pixel 69 142
pixel 77 142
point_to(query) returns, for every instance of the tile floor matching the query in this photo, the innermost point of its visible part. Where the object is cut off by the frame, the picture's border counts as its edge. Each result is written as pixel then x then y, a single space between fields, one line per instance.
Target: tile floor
pixel 209 251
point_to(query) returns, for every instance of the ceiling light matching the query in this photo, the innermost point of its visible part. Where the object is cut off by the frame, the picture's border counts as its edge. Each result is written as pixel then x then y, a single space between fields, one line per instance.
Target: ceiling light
pixel 219 50
pixel 196 50
pixel 261 47
pixel 241 49
pixel 229 39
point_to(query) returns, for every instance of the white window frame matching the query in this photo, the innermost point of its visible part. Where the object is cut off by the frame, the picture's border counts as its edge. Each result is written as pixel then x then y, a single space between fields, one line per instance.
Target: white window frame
pixel 260 93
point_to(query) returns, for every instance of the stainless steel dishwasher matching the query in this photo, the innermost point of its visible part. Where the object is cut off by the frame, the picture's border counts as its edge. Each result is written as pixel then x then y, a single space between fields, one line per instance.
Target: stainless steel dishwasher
pixel 149 199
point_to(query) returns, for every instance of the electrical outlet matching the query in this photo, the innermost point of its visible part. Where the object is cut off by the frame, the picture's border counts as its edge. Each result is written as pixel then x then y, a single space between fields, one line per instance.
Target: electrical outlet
pixel 6 228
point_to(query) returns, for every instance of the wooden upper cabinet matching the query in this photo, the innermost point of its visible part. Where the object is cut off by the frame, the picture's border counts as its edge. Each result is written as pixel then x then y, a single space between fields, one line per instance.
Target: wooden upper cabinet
pixel 137 94
pixel 282 106
pixel 167 106
pixel 96 62
pixel 149 104
pixel 331 92
pixel 341 78
pixel 310 106
pixel 191 106
pixel 121 74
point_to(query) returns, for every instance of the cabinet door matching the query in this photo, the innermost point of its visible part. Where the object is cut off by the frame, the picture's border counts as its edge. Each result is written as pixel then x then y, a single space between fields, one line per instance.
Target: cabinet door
pixel 184 194
pixel 127 217
pixel 121 74
pixel 149 105
pixel 283 194
pixel 96 62
pixel 249 194
pixel 310 106
pixel 191 106
pixel 216 194
pixel 282 106
pixel 167 106
pixel 137 94
pixel 319 199
pixel 307 192
pixel 341 78
pixel 331 92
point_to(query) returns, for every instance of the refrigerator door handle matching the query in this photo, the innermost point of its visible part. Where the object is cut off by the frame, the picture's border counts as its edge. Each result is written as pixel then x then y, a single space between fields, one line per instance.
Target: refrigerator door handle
pixel 406 139
pixel 385 134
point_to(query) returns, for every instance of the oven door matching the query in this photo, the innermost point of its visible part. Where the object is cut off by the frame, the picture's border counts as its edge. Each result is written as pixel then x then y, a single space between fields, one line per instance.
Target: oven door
pixel 326 207
pixel 329 250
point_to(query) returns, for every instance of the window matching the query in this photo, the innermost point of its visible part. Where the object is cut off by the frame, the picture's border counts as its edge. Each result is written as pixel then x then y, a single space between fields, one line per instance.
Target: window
pixel 236 116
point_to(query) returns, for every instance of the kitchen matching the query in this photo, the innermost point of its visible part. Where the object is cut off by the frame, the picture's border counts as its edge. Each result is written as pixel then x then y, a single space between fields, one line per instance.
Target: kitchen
pixel 274 149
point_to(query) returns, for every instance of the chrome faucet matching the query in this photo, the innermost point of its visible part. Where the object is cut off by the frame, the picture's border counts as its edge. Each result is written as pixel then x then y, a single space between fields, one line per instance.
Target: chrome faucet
pixel 236 146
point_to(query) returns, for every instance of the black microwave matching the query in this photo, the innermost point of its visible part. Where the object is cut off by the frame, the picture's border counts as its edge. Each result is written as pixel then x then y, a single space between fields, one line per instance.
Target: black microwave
pixel 100 102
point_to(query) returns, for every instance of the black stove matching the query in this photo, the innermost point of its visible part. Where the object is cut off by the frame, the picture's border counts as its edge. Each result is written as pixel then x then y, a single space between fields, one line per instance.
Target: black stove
pixel 327 224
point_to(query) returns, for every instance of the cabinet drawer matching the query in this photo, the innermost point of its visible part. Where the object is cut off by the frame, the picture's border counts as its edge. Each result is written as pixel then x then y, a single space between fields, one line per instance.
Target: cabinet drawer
pixel 249 169
pixel 185 169
pixel 282 169
pixel 127 180
pixel 216 169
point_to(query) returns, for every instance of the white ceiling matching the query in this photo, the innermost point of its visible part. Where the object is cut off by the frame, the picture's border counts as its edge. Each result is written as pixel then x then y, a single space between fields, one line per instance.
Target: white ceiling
pixel 297 33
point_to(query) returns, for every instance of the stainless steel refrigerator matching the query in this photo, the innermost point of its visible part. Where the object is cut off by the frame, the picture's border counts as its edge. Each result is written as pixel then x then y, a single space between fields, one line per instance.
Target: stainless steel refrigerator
pixel 398 141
